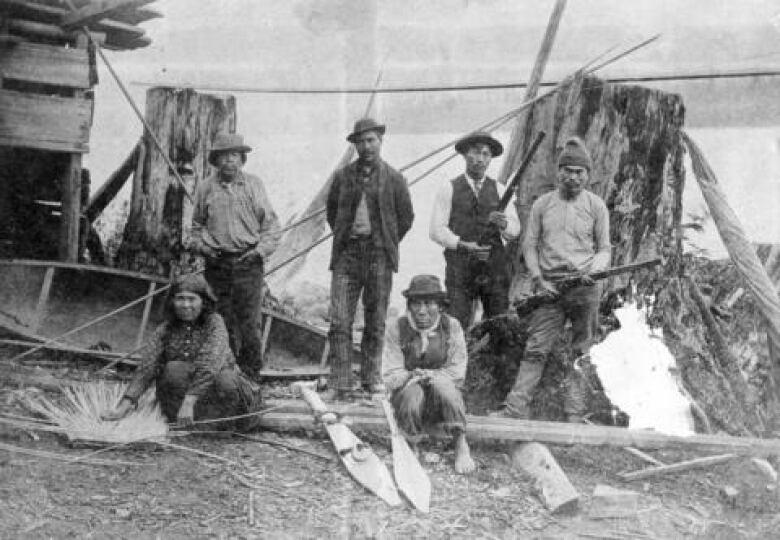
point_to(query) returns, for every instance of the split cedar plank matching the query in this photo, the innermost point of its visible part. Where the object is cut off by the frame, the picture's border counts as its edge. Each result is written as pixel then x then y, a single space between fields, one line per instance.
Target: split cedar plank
pixel 94 12
pixel 49 14
pixel 553 486
pixel 677 467
pixel 111 187
pixel 294 415
pixel 71 209
pixel 136 16
pixel 35 30
pixel 44 122
pixel 46 64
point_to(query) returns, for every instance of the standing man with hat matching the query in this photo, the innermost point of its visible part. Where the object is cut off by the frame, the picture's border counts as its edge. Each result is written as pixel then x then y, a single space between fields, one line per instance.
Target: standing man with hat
pixel 424 366
pixel 465 213
pixel 235 228
pixel 568 236
pixel 369 211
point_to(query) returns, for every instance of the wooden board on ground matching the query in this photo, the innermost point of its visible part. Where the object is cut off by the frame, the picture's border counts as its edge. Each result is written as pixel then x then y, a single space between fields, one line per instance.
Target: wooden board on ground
pixel 294 416
pixel 554 489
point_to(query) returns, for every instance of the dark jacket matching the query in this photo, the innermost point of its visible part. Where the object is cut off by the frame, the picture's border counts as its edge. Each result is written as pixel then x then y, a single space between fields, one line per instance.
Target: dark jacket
pixel 395 208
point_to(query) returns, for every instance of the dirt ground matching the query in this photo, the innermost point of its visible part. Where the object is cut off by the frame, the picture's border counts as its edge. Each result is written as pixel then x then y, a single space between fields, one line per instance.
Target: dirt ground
pixel 173 493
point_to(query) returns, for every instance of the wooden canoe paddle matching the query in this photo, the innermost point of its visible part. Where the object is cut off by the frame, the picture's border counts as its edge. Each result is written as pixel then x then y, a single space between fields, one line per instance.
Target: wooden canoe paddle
pixel 411 478
pixel 361 462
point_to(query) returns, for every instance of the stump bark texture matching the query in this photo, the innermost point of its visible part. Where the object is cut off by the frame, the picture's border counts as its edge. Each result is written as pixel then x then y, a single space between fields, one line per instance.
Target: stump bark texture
pixel 185 122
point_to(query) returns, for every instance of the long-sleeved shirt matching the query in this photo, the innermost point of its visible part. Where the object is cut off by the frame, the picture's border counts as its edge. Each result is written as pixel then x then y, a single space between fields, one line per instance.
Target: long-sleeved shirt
pixel 567 236
pixel 440 231
pixel 394 372
pixel 205 344
pixel 235 216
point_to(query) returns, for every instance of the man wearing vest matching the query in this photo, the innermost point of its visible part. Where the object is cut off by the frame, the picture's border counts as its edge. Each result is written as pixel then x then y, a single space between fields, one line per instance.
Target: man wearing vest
pixel 369 211
pixel 424 365
pixel 235 228
pixel 465 213
pixel 568 235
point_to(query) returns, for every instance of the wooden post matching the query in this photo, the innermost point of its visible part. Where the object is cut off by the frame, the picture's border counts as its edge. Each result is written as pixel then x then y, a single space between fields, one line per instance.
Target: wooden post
pixel 185 122
pixel 71 209
pixel 555 490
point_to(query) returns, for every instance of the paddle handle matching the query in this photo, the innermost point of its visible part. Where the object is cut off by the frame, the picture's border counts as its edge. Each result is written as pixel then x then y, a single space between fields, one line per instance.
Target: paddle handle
pixel 390 415
pixel 313 400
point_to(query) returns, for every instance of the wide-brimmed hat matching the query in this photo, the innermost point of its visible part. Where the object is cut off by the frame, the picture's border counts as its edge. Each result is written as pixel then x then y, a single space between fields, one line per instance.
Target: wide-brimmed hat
pixel 463 145
pixel 425 286
pixel 224 142
pixel 363 125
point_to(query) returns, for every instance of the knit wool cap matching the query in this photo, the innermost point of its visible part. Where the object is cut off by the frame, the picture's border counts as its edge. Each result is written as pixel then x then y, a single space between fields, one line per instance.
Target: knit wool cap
pixel 575 155
pixel 195 284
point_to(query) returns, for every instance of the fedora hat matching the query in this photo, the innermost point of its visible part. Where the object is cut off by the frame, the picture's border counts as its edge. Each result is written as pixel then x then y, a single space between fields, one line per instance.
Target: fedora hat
pixel 425 286
pixel 363 125
pixel 463 145
pixel 227 141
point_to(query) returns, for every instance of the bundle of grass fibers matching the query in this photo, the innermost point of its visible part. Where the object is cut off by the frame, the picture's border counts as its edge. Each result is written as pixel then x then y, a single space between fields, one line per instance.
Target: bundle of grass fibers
pixel 76 414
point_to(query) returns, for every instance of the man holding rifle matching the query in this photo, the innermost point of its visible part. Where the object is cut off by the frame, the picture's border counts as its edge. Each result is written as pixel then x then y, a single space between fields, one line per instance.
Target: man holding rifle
pixel 467 224
pixel 567 237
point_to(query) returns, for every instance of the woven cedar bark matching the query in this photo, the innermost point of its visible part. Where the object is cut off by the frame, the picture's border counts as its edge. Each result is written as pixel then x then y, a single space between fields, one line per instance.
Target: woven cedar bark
pixel 185 122
pixel 634 136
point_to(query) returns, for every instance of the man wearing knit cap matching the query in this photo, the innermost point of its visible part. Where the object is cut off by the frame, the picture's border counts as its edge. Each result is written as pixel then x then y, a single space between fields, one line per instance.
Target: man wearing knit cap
pixel 369 211
pixel 236 229
pixel 567 235
pixel 465 213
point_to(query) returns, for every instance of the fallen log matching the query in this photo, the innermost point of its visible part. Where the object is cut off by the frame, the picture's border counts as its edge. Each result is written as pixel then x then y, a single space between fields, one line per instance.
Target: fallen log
pixel 293 416
pixel 553 486
pixel 677 467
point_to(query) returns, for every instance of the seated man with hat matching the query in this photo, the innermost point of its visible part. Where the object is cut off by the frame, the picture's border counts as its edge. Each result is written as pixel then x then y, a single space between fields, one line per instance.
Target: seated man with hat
pixel 235 228
pixel 466 222
pixel 424 365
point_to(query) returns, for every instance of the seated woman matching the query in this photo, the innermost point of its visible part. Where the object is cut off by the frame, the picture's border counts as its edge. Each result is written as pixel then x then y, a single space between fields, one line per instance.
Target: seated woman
pixel 189 360
pixel 424 365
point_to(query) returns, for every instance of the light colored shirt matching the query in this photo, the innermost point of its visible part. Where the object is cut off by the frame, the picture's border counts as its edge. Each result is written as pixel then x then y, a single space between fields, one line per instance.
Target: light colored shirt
pixel 567 235
pixel 394 372
pixel 440 231
pixel 362 224
pixel 235 216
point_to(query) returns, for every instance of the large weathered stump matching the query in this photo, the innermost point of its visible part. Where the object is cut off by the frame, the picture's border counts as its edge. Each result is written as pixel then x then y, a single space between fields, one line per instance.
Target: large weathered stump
pixel 185 122
pixel 634 136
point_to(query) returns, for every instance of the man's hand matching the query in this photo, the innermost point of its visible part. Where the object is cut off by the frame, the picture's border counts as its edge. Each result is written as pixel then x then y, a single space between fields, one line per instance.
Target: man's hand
pixel 586 280
pixel 186 413
pixel 199 247
pixel 253 255
pixel 422 375
pixel 498 219
pixel 119 412
pixel 480 252
pixel 545 287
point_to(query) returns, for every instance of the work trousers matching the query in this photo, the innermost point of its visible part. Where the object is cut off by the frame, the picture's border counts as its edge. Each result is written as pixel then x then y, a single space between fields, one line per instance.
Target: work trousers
pixel 421 405
pixel 580 305
pixel 361 267
pixel 459 277
pixel 231 394
pixel 239 289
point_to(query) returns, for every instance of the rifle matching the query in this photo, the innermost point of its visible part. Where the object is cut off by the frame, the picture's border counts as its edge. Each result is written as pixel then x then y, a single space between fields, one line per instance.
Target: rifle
pixel 526 305
pixel 481 269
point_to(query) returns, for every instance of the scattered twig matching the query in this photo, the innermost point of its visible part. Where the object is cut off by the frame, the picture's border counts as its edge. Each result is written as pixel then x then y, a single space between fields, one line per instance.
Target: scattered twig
pixel 285 446
pixel 641 455
pixel 198 452
pixel 61 457
pixel 251 508
pixel 677 467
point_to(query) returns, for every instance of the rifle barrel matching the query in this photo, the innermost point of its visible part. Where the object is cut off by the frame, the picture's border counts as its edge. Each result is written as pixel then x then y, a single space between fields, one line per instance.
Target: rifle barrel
pixel 512 186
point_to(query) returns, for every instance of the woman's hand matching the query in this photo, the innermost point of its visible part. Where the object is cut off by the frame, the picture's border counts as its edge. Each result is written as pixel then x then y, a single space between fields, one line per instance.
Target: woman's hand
pixel 119 412
pixel 186 414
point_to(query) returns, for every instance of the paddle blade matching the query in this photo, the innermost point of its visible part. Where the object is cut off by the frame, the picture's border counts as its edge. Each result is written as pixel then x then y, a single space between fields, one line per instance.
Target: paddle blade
pixel 363 464
pixel 411 478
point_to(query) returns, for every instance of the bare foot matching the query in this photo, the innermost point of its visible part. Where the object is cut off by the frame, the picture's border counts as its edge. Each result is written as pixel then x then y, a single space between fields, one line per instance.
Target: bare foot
pixel 463 462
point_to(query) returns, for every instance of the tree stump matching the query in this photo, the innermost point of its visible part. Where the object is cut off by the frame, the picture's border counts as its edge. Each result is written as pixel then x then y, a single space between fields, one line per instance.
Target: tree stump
pixel 635 139
pixel 185 122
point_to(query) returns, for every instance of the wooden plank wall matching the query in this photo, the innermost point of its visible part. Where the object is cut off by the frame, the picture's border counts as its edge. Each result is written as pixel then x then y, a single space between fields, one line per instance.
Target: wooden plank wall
pixel 46 64
pixel 45 122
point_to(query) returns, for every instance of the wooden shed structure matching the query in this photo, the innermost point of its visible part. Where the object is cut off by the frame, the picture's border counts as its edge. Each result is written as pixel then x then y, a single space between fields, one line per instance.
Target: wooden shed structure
pixel 48 67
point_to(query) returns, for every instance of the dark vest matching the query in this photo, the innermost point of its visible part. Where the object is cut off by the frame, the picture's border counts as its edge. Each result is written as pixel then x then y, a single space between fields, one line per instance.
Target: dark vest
pixel 469 213
pixel 435 355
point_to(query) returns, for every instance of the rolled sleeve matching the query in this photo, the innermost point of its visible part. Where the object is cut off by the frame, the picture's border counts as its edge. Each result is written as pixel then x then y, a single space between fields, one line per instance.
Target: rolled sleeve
pixel 531 242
